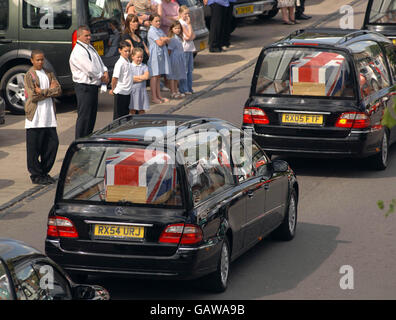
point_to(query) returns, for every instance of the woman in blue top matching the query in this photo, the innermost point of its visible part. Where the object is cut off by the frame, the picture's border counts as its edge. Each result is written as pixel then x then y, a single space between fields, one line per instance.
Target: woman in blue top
pixel 158 62
pixel 177 59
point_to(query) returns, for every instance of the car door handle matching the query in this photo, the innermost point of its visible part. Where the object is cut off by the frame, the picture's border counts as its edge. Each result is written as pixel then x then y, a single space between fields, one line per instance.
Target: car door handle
pixel 5 41
pixel 266 186
pixel 250 194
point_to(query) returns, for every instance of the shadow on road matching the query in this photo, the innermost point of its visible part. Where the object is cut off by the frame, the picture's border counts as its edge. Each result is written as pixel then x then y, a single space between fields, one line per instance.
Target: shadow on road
pixel 343 168
pixel 269 268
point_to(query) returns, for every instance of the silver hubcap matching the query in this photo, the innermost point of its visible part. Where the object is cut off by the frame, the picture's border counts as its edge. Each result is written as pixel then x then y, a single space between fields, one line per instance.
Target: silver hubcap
pixel 384 149
pixel 224 264
pixel 292 215
pixel 15 90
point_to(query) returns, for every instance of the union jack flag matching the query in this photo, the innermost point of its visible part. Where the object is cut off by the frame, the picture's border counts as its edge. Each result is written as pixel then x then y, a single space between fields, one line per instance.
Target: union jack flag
pixel 138 167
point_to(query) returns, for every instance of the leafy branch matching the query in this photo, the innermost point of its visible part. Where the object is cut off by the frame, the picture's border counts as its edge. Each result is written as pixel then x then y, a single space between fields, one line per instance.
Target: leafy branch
pixel 391 208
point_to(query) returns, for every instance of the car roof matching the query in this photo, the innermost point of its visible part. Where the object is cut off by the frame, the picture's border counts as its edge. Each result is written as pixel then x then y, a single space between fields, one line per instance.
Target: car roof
pixel 330 37
pixel 11 249
pixel 148 127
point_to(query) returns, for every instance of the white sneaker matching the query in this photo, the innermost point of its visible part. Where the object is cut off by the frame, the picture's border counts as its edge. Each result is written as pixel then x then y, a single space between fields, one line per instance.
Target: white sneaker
pixel 165 89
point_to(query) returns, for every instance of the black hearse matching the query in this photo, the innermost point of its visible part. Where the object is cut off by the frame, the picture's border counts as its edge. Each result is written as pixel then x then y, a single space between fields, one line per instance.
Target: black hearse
pixel 324 92
pixel 176 197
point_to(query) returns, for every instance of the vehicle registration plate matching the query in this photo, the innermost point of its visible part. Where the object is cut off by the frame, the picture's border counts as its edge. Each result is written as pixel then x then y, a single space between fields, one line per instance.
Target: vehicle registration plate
pixel 202 45
pixel 105 231
pixel 99 47
pixel 244 10
pixel 294 118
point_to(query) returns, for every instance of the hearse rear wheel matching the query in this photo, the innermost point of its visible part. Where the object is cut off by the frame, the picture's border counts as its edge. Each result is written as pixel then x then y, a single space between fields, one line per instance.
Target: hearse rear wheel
pixel 380 160
pixel 218 281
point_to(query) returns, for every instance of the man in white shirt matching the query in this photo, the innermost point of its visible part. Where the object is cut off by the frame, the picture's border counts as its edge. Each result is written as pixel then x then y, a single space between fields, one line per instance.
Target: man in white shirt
pixel 89 72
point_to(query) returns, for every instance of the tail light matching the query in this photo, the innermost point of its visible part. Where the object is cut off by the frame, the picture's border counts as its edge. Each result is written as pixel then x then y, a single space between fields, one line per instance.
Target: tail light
pixel 357 120
pixel 181 233
pixel 74 39
pixel 61 227
pixel 254 115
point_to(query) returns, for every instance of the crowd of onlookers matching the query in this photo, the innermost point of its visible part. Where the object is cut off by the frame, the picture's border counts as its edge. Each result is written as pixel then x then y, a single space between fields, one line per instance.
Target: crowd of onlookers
pixel 155 46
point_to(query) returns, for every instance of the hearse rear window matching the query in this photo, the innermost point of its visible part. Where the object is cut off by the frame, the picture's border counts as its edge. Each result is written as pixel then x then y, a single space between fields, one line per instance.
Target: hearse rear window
pixel 304 72
pixel 383 12
pixel 122 174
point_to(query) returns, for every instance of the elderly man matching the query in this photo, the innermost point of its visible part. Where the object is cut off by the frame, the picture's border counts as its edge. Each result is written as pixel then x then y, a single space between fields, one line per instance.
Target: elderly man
pixel 89 72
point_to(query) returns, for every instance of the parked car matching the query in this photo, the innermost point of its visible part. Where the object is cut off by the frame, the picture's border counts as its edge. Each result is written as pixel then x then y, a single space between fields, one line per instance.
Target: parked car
pixel 380 16
pixel 27 25
pixel 197 20
pixel 27 274
pixel 262 9
pixel 2 111
pixel 315 93
pixel 166 196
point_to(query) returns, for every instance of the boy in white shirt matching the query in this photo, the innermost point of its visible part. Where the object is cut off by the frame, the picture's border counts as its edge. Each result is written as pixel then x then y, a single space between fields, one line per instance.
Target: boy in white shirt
pixel 41 137
pixel 121 82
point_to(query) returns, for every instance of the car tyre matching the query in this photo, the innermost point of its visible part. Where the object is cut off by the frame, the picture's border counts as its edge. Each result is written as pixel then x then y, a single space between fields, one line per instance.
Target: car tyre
pixel 287 229
pixel 218 281
pixel 13 89
pixel 380 160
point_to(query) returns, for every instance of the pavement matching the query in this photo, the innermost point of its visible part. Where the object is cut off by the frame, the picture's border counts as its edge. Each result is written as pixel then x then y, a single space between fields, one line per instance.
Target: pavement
pixel 210 70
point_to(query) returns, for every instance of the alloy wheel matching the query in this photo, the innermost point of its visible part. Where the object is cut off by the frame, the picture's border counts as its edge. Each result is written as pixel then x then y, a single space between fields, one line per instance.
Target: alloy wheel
pixel 224 264
pixel 292 215
pixel 384 149
pixel 15 91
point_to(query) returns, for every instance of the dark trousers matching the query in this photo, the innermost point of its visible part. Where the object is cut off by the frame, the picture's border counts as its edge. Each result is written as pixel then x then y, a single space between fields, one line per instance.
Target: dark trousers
pixel 217 25
pixel 121 105
pixel 300 9
pixel 41 147
pixel 87 108
pixel 227 25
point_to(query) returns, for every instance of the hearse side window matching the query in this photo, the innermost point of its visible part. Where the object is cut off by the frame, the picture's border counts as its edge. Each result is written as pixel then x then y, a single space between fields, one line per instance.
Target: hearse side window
pixel 260 160
pixel 371 66
pixel 383 12
pixel 207 164
pixel 122 173
pixel 304 72
pixel 45 14
pixel 242 158
pixel 4 14
pixel 391 55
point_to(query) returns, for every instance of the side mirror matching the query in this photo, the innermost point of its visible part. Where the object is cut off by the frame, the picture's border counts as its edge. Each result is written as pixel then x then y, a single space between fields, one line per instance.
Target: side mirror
pixel 280 165
pixel 90 292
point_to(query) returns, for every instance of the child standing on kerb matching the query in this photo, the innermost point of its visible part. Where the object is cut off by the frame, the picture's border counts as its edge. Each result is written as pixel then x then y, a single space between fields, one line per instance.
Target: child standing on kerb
pixel 139 97
pixel 185 86
pixel 42 142
pixel 122 81
pixel 177 59
pixel 158 62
